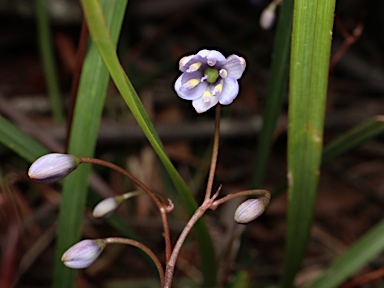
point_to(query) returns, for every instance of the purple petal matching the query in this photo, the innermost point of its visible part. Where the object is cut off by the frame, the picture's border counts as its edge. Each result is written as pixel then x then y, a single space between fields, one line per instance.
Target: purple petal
pixel 185 77
pixel 184 61
pixel 229 92
pixel 201 106
pixel 189 94
pixel 52 167
pixel 213 55
pixel 83 254
pixel 187 61
pixel 235 66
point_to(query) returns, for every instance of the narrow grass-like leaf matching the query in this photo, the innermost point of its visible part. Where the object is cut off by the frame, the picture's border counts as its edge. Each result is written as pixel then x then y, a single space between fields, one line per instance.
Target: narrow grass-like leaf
pixel 46 53
pixel 102 41
pixel 20 143
pixel 310 54
pixel 349 140
pixel 101 38
pixel 276 90
pixel 366 130
pixel 358 255
pixel 88 110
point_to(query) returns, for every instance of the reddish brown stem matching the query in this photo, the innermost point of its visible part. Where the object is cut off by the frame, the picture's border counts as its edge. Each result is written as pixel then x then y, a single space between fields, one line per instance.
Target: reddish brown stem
pixel 255 192
pixel 141 246
pixel 160 205
pixel 215 152
pixel 170 268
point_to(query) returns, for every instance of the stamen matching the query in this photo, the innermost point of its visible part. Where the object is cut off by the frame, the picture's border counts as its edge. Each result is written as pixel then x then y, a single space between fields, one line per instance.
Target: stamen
pixel 204 78
pixel 194 67
pixel 217 89
pixel 191 83
pixel 207 96
pixel 211 62
pixel 223 73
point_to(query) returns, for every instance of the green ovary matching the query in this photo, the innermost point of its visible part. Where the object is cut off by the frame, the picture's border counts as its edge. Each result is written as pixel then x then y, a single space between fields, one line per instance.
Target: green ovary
pixel 212 74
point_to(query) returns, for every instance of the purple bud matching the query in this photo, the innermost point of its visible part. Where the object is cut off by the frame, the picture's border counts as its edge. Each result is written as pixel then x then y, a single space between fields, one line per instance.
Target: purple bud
pixel 83 254
pixel 52 167
pixel 250 209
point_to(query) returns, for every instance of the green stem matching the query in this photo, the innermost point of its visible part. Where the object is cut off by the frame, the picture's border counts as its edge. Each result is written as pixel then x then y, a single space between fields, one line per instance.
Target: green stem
pixel 46 53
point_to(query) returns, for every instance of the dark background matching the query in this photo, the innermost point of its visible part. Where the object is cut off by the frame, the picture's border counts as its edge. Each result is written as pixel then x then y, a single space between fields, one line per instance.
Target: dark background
pixel 155 35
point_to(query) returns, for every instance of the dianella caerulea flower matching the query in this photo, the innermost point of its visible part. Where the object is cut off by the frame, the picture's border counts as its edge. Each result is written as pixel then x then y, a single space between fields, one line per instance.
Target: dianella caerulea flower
pixel 209 78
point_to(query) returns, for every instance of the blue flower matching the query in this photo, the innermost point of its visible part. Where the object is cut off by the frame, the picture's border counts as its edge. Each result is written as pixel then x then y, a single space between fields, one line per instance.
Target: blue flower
pixel 209 78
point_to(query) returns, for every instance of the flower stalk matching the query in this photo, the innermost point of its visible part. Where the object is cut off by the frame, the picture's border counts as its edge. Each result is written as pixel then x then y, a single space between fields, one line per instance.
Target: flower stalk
pixel 215 152
pixel 163 207
pixel 145 249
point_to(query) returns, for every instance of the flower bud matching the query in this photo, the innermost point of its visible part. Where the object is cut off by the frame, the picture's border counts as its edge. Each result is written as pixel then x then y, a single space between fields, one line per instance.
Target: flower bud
pixel 52 167
pixel 250 209
pixel 83 254
pixel 267 18
pixel 107 206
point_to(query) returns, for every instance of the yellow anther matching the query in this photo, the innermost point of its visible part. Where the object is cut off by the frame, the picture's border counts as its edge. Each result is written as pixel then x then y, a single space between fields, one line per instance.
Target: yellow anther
pixel 207 96
pixel 194 67
pixel 191 83
pixel 218 88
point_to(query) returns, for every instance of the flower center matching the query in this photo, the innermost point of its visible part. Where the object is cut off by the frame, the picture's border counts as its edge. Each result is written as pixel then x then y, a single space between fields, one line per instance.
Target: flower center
pixel 211 74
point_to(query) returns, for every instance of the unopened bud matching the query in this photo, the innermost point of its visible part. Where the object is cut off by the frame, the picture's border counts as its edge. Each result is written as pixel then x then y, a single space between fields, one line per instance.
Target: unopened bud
pixel 52 167
pixel 83 254
pixel 250 209
pixel 267 18
pixel 107 206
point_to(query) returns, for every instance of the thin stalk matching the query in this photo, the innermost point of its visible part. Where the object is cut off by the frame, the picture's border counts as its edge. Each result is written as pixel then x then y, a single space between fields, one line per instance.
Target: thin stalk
pixel 46 53
pixel 160 205
pixel 141 246
pixel 215 152
pixel 256 192
pixel 170 268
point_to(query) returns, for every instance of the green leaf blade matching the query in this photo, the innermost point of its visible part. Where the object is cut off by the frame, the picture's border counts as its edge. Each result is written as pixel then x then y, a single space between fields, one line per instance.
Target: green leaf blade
pixel 88 110
pixel 101 39
pixel 310 54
